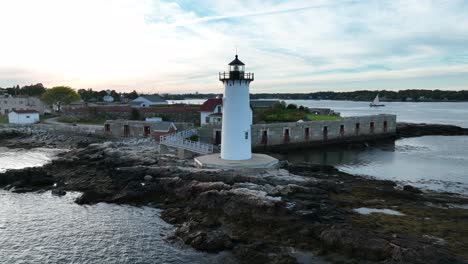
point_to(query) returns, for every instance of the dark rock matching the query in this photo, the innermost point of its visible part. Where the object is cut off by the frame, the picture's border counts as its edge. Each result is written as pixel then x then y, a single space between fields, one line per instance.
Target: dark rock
pixel 148 178
pixel 58 192
pixel 92 197
pixel 211 241
pixel 412 189
pixel 417 130
pixel 262 253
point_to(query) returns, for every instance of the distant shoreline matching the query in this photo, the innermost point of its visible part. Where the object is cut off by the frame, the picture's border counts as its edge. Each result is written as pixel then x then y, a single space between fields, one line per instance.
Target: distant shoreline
pixel 308 99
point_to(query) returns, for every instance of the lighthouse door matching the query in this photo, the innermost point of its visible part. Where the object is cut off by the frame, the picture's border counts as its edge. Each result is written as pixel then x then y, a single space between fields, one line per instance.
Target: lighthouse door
pixel 217 137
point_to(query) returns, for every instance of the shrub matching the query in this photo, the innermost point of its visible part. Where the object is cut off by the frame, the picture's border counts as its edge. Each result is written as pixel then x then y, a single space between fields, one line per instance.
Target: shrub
pixel 135 115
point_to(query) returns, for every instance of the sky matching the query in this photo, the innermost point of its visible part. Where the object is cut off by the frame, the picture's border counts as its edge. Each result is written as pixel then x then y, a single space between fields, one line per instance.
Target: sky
pixel 163 46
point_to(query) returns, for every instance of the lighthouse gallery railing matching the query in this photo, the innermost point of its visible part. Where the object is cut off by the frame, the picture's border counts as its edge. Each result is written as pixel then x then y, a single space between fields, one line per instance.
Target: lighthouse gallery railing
pixel 223 76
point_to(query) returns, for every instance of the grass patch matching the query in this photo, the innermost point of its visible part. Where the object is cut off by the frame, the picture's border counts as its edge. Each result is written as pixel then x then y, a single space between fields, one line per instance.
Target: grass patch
pixel 313 117
pixel 4 119
pixel 46 116
pixel 291 115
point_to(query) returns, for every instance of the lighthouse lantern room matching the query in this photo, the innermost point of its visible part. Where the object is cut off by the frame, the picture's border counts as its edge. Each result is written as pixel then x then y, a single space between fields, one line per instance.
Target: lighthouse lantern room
pixel 236 142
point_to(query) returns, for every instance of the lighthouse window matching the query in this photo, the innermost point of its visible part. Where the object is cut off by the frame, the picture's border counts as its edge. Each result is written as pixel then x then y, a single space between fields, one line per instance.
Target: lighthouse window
pixel 246 135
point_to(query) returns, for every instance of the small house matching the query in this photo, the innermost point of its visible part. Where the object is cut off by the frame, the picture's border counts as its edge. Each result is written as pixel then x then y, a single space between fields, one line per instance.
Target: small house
pixel 211 111
pixel 148 101
pixel 23 117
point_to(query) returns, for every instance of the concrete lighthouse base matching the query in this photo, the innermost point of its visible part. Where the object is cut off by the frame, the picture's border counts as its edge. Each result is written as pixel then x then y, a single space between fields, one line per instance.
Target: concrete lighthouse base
pixel 258 161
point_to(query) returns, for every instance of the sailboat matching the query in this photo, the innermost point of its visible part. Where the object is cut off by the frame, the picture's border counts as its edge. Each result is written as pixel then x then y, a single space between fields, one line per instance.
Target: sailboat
pixel 376 102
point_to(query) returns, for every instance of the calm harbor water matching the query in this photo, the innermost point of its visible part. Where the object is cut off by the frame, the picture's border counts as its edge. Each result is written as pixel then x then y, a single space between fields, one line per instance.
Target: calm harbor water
pixel 437 113
pixel 432 162
pixel 21 158
pixel 41 228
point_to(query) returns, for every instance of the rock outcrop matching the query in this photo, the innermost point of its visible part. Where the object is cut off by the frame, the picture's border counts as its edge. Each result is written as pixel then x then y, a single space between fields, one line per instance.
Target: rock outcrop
pixel 417 130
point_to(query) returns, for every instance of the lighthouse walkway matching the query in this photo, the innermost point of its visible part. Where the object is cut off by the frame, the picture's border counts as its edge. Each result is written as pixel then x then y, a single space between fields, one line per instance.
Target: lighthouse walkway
pixel 180 140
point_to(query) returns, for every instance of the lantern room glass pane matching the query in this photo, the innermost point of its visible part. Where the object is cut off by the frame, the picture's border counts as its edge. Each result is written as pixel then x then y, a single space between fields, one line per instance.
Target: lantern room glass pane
pixel 239 68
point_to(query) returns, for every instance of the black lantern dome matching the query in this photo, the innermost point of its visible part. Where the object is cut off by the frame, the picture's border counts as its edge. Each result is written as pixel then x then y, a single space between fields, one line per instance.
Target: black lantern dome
pixel 236 72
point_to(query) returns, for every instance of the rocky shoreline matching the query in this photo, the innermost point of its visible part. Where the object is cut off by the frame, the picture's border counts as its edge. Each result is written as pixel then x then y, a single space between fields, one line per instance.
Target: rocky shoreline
pixel 418 130
pixel 262 216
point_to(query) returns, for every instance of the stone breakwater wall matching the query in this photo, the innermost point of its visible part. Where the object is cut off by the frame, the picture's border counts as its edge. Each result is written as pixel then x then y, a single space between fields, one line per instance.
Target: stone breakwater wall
pixel 174 113
pixel 63 129
pixel 302 134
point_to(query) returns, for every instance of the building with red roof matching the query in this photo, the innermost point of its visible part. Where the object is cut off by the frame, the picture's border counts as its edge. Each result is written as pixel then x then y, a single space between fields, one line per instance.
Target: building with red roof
pixel 211 111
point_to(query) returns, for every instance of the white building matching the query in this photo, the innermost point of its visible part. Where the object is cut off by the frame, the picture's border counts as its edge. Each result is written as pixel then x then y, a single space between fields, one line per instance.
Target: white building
pixel 9 103
pixel 236 143
pixel 23 117
pixel 148 101
pixel 108 98
pixel 153 119
pixel 211 111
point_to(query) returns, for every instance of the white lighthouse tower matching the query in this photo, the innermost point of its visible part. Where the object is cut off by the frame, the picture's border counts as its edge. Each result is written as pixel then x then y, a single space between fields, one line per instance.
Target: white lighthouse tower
pixel 236 136
pixel 236 142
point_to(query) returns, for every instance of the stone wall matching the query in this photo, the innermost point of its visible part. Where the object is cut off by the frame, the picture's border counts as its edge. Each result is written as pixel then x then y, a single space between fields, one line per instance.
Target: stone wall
pixel 174 113
pixel 83 130
pixel 136 129
pixel 300 134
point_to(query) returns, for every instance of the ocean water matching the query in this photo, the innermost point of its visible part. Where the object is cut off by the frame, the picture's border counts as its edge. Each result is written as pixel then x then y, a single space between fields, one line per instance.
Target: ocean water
pixel 424 112
pixel 436 163
pixel 21 158
pixel 41 228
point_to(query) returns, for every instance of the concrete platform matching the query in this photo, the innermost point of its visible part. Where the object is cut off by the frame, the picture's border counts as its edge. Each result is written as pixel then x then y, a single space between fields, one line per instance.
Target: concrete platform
pixel 258 161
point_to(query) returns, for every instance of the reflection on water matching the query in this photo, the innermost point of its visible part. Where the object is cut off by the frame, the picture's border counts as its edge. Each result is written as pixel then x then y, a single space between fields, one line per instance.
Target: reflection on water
pixel 433 162
pixel 41 228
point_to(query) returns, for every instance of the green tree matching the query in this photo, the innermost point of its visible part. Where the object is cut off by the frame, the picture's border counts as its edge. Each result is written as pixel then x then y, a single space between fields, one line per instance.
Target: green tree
pixel 291 106
pixel 135 114
pixel 59 96
pixel 133 95
pixel 33 90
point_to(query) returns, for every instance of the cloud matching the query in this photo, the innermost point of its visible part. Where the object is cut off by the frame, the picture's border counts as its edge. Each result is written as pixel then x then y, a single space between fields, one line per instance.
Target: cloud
pixel 179 46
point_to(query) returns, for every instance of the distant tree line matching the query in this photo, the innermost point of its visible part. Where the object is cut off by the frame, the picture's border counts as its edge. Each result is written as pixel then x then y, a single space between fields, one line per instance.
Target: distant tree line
pixel 28 90
pixel 87 95
pixel 363 95
pixel 90 95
